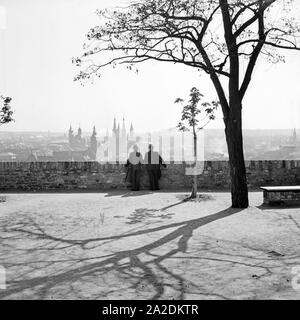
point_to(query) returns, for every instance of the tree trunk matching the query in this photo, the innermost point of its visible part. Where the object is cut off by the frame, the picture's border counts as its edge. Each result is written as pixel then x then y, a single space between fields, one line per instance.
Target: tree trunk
pixel 195 178
pixel 234 138
pixel 194 189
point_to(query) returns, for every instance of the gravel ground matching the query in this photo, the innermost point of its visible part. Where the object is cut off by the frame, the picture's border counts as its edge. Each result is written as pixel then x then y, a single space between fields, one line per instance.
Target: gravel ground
pixel 143 245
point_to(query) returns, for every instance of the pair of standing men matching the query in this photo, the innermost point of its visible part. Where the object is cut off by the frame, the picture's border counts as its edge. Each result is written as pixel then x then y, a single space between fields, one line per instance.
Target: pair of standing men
pixel 152 160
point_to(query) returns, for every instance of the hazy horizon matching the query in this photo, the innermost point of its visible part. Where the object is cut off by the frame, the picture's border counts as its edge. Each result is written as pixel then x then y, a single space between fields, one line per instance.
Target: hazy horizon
pixel 103 131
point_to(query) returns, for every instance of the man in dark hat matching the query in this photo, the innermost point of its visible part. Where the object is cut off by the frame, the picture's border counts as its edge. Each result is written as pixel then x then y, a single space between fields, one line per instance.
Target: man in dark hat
pixel 153 162
pixel 134 168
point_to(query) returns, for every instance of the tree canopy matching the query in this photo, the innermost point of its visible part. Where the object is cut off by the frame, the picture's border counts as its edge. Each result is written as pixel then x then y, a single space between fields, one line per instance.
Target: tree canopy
pixel 191 110
pixel 188 32
pixel 5 110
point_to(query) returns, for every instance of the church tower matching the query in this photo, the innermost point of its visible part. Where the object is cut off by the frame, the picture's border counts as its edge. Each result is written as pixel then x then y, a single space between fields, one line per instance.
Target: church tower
pixel 114 143
pixel 79 132
pixel 115 127
pixel 123 144
pixel 71 136
pixel 131 132
pixel 93 144
pixel 123 134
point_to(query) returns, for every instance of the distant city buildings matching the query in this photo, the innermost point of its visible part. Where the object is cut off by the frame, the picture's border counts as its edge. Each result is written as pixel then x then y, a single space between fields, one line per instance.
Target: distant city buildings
pixel 76 148
pixel 115 144
pixel 288 150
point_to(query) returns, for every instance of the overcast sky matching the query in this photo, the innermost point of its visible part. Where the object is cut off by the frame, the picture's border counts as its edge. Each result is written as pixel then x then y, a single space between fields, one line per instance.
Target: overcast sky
pixel 39 39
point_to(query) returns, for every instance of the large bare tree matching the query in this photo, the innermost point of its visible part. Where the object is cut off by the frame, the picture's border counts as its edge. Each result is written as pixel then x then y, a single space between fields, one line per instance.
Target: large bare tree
pixel 210 35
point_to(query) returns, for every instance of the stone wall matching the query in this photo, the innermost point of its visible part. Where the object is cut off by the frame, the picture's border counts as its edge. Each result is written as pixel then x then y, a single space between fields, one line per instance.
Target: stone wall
pixel 39 176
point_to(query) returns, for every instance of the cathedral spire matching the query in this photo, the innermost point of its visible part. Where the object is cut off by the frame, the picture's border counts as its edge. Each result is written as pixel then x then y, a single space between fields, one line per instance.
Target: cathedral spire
pixel 115 126
pixel 93 144
pixel 131 134
pixel 79 131
pixel 94 131
pixel 123 129
pixel 70 135
pixel 123 125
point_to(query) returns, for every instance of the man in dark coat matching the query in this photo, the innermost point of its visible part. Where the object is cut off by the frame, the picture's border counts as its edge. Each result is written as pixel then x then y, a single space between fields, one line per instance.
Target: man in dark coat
pixel 134 168
pixel 153 161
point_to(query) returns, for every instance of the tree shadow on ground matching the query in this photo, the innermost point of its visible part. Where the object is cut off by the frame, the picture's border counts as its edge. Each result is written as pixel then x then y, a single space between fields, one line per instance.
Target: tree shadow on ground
pixel 200 197
pixel 127 193
pixel 128 265
pixel 142 214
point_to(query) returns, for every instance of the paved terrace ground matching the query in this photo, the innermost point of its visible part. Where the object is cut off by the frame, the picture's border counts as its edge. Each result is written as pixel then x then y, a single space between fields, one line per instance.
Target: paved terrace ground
pixel 123 245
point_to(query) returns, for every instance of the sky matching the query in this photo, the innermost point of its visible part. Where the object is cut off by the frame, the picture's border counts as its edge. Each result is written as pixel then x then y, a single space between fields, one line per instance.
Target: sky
pixel 38 39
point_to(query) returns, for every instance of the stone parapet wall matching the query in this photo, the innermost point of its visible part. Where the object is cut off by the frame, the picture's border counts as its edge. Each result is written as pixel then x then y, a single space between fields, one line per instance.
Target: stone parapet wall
pixel 46 176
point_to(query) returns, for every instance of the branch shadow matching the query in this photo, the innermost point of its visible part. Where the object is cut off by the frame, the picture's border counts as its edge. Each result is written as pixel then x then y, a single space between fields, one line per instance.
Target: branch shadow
pixel 142 214
pixel 200 197
pixel 128 264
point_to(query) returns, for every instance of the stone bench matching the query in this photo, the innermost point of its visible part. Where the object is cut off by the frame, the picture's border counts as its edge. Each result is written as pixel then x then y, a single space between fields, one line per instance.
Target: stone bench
pixel 281 194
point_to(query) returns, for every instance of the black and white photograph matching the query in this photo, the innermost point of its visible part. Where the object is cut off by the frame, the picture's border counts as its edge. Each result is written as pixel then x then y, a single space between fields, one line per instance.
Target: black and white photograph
pixel 149 150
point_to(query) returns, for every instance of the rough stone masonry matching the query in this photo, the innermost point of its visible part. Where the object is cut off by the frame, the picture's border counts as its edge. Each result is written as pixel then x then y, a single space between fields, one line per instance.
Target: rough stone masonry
pixel 71 176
